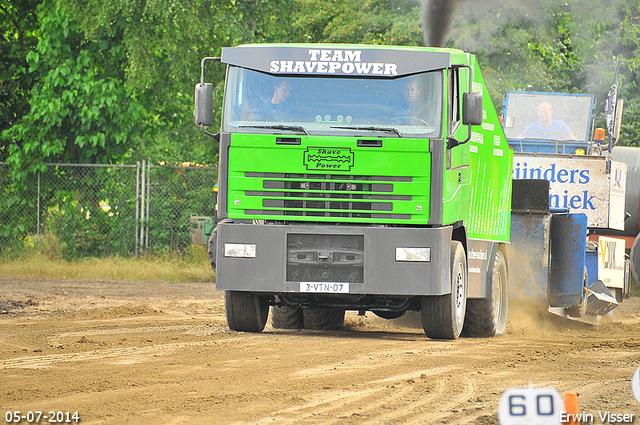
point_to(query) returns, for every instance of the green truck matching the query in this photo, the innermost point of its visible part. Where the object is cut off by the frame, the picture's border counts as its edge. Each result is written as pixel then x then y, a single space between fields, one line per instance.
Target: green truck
pixel 359 177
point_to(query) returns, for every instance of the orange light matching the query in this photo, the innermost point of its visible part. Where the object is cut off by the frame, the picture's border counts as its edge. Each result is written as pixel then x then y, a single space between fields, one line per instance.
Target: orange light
pixel 599 135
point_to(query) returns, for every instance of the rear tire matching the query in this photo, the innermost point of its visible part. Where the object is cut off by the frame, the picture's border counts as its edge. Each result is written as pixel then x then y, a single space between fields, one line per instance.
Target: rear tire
pixel 324 319
pixel 626 292
pixel 488 317
pixel 443 315
pixel 286 318
pixel 617 294
pixel 246 312
pixel 634 258
pixel 580 309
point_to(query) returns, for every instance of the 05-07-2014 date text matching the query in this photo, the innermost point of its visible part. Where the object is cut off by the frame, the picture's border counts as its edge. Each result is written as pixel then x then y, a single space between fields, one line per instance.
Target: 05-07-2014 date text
pixel 58 417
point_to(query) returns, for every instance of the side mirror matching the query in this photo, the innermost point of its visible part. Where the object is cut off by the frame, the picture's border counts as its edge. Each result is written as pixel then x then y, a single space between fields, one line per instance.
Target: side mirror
pixel 472 108
pixel 204 104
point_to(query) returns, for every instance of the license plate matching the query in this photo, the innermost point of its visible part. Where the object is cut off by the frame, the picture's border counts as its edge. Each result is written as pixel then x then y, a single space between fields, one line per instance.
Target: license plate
pixel 325 287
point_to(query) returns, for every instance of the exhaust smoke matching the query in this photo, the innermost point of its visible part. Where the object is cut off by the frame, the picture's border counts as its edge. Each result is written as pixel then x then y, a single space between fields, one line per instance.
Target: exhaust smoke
pixel 436 20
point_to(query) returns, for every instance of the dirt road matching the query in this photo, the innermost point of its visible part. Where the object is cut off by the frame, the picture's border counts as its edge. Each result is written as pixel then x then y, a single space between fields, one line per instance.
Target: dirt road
pixel 161 353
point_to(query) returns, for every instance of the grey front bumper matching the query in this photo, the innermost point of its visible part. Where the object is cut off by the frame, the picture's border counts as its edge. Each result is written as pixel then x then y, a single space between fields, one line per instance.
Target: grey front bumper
pixel 382 274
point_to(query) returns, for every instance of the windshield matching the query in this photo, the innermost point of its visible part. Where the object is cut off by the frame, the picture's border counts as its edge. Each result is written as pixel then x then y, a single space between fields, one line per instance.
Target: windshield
pixel 547 116
pixel 257 102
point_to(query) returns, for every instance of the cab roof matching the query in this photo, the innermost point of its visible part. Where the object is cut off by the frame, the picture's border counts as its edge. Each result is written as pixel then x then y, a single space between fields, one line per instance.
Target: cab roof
pixel 344 60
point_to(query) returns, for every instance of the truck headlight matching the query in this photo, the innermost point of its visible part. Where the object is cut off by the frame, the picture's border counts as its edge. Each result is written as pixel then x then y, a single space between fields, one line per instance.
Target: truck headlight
pixel 413 254
pixel 240 250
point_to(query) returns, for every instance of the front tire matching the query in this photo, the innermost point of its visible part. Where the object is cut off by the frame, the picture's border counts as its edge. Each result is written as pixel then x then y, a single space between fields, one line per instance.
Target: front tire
pixel 488 317
pixel 443 315
pixel 246 312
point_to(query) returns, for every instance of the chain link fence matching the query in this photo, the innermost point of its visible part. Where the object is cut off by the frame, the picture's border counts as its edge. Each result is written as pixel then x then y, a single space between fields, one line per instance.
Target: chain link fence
pixel 82 210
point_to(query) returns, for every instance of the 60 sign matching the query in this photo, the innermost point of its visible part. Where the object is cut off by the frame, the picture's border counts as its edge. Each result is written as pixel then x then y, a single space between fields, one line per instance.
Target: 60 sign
pixel 531 406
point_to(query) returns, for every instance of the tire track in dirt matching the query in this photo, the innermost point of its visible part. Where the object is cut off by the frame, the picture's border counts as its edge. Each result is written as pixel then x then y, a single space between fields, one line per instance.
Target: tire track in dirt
pixel 373 361
pixel 140 352
pixel 142 329
pixel 445 410
pixel 320 405
pixel 376 398
pixel 134 354
pixel 403 409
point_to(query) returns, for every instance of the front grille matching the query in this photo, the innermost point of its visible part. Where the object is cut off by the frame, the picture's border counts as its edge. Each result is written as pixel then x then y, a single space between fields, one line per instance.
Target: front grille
pixel 325 258
pixel 328 195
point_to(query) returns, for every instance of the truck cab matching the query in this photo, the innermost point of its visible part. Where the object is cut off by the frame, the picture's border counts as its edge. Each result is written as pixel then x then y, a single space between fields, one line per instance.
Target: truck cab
pixel 352 177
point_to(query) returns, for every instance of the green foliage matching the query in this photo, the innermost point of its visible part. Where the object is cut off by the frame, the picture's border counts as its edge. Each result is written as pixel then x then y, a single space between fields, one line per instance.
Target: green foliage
pixel 90 211
pixel 15 219
pixel 358 21
pixel 90 81
pixel 73 212
pixel 81 110
pixel 520 46
pixel 113 81
pixel 176 194
pixel 164 43
pixel 556 46
pixel 18 35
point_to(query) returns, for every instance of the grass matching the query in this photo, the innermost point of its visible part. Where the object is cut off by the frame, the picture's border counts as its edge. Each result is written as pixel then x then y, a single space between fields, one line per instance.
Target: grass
pixel 192 266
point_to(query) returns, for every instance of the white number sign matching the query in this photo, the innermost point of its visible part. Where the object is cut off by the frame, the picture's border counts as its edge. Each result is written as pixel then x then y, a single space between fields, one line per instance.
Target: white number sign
pixel 635 384
pixel 530 406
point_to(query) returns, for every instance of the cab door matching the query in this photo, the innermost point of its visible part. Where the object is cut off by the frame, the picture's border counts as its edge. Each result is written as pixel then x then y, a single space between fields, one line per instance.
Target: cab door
pixel 457 175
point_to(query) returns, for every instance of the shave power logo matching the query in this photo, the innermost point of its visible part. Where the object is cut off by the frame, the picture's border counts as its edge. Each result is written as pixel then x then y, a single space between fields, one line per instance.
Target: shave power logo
pixel 336 159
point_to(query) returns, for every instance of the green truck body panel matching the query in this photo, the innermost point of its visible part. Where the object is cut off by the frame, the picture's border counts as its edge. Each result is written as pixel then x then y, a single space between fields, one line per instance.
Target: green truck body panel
pixel 329 179
pixel 491 167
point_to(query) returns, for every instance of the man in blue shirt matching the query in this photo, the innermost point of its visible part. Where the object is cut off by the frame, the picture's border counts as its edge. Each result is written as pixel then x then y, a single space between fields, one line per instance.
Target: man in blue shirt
pixel 547 127
pixel 412 110
pixel 274 108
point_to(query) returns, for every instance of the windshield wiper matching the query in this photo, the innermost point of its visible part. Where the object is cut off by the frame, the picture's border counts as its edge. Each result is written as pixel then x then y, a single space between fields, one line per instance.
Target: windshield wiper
pixel 278 127
pixel 385 129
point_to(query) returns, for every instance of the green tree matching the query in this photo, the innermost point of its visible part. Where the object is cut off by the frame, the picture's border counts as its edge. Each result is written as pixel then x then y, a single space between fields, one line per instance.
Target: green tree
pixel 81 110
pixel 164 43
pixel 19 35
pixel 359 21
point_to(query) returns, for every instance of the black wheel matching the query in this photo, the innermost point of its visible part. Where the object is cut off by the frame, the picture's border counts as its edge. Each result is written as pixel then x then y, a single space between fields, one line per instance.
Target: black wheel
pixel 389 314
pixel 634 257
pixel 626 291
pixel 580 309
pixel 245 311
pixel 617 294
pixel 488 317
pixel 286 317
pixel 326 319
pixel 443 315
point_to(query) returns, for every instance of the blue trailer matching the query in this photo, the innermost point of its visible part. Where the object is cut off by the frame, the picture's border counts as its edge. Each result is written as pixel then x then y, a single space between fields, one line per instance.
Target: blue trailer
pixel 566 187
